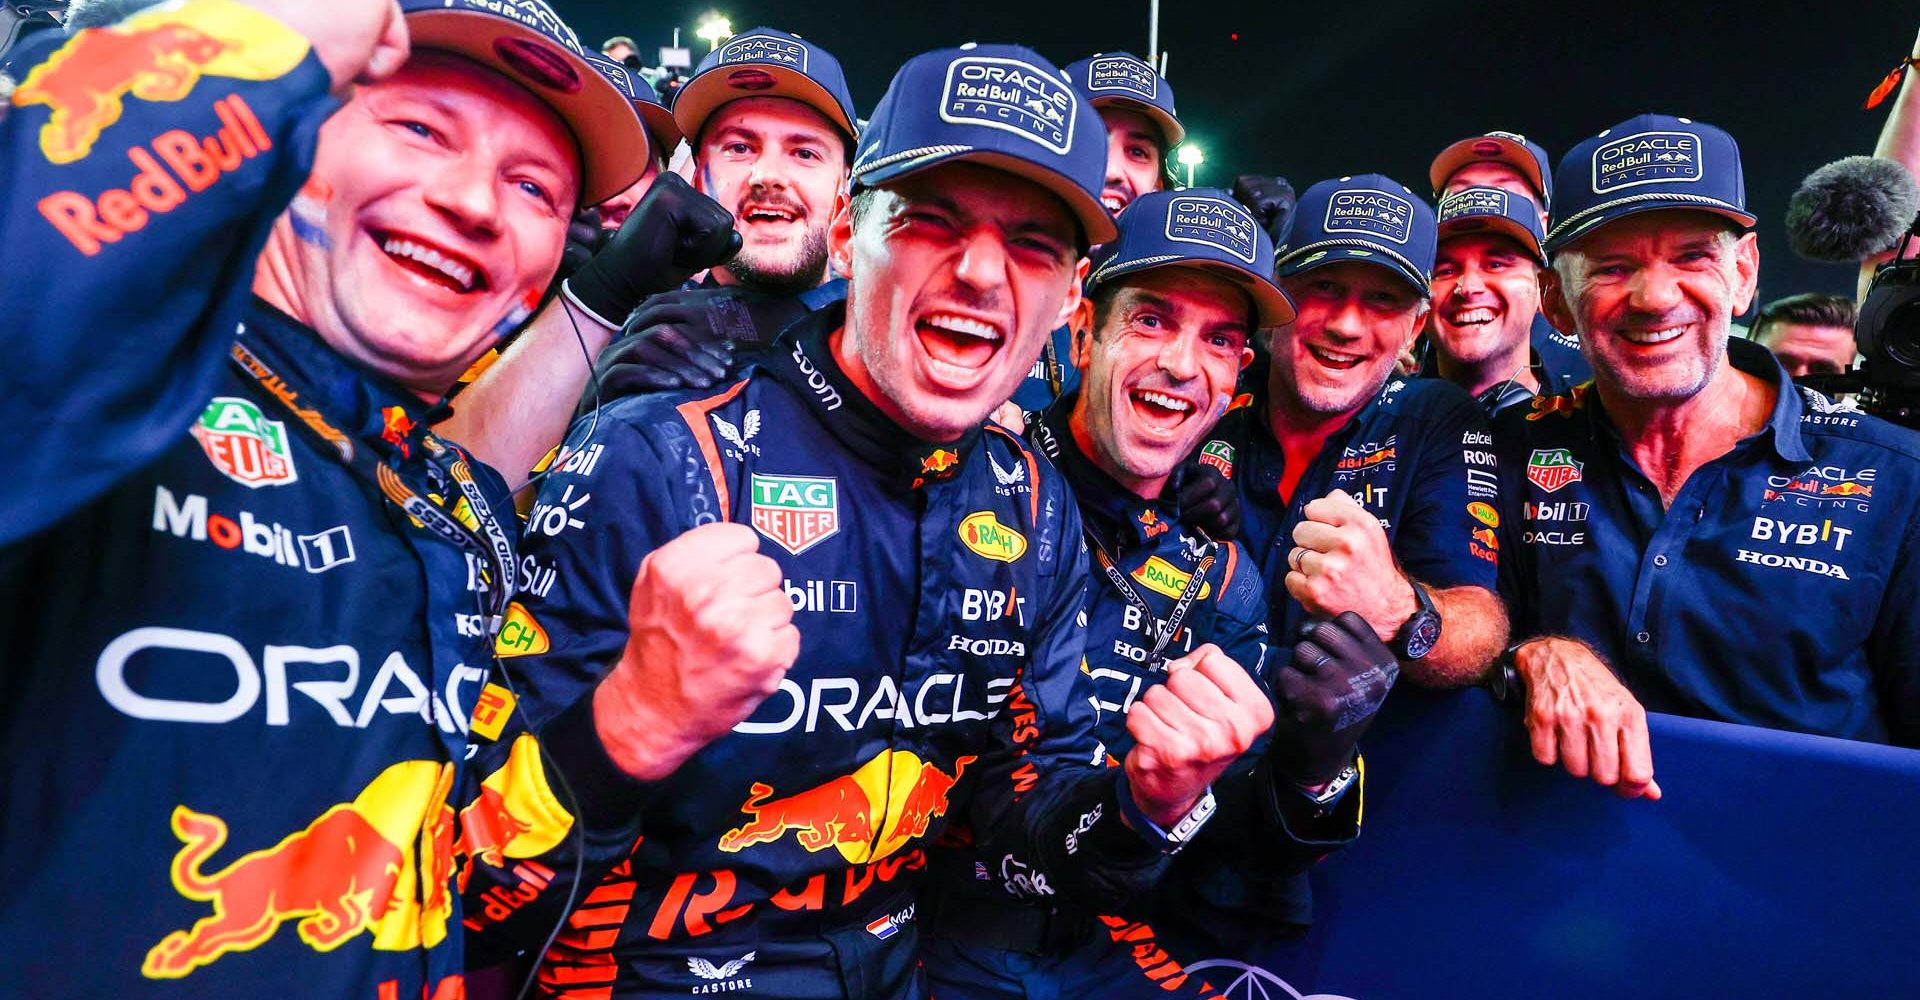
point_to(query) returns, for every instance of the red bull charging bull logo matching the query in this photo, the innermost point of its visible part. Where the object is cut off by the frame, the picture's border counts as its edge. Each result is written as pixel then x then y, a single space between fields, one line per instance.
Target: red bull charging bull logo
pixel 353 870
pixel 873 812
pixel 156 56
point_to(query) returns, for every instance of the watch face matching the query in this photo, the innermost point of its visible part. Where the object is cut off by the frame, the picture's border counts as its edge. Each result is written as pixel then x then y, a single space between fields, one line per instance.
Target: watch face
pixel 1424 634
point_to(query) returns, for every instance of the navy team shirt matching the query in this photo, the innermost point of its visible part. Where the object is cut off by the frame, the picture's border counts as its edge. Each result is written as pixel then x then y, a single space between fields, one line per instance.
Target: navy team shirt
pixel 1781 587
pixel 1418 456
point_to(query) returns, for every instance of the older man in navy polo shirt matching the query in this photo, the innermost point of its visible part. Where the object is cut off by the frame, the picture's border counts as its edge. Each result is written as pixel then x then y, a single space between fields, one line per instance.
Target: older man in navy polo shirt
pixel 1692 533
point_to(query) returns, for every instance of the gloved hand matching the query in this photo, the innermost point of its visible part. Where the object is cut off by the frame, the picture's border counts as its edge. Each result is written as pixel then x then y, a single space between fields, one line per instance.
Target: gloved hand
pixel 685 339
pixel 1270 199
pixel 1340 674
pixel 1209 501
pixel 674 232
pixel 584 239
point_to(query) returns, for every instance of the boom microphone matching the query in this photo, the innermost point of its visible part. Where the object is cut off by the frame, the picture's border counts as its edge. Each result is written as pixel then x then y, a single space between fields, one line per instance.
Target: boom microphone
pixel 1851 209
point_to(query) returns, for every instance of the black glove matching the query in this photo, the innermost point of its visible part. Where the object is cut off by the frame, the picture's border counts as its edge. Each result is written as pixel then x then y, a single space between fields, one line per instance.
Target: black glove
pixel 685 339
pixel 673 232
pixel 585 237
pixel 1340 674
pixel 1270 199
pixel 1209 501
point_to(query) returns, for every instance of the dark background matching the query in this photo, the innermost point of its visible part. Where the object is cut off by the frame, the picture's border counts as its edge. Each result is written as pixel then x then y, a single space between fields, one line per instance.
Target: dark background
pixel 1318 90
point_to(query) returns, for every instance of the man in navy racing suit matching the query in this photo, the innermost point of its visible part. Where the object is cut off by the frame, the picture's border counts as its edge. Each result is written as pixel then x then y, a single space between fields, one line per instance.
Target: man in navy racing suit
pixel 936 604
pixel 1176 298
pixel 253 597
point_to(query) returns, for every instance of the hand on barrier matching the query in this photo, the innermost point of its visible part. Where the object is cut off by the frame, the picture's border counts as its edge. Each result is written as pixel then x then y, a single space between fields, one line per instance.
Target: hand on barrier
pixel 1580 716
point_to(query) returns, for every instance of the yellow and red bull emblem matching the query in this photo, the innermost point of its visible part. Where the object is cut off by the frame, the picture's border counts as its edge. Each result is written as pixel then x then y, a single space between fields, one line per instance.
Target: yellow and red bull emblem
pixel 395 425
pixel 155 56
pixel 382 864
pixel 939 462
pixel 867 815
pixel 1150 524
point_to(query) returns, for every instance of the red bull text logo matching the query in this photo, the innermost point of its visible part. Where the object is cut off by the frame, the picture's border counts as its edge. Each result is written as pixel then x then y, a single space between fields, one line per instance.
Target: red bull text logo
pixel 867 815
pixel 353 870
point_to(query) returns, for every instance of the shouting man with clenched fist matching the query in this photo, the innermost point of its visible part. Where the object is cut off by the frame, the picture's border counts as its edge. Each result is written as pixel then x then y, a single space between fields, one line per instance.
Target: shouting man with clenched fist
pixel 836 610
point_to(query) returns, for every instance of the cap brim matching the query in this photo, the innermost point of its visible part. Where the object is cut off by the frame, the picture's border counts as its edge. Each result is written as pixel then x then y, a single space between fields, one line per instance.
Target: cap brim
pixel 1497 224
pixel 701 96
pixel 661 128
pixel 1170 126
pixel 1270 305
pixel 1086 209
pixel 1557 239
pixel 1513 154
pixel 1313 257
pixel 612 143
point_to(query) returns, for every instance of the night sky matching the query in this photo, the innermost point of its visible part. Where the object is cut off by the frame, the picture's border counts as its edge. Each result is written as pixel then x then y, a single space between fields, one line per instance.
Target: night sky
pixel 1314 91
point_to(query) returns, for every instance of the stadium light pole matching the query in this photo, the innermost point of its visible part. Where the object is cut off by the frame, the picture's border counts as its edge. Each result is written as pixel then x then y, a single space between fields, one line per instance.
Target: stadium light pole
pixel 715 28
pixel 1190 157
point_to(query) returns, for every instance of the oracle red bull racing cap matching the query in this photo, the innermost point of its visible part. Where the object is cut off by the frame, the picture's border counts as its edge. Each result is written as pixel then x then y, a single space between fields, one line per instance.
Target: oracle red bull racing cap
pixel 1124 80
pixel 765 62
pixel 1001 106
pixel 1368 218
pixel 1644 164
pixel 1511 148
pixel 1203 228
pixel 1493 210
pixel 661 130
pixel 529 44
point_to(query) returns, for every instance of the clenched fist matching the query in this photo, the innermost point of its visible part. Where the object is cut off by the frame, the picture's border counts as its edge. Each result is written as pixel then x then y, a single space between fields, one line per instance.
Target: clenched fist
pixel 358 41
pixel 1341 561
pixel 1189 729
pixel 712 636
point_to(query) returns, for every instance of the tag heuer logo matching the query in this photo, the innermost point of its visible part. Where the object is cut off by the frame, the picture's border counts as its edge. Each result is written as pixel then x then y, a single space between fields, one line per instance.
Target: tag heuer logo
pixel 1552 468
pixel 1218 454
pixel 242 443
pixel 799 512
pixel 983 533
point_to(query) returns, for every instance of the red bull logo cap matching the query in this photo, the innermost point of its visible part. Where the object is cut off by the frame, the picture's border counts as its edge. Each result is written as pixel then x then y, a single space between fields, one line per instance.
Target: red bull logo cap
pixel 1124 80
pixel 1365 217
pixel 1000 106
pixel 1511 148
pixel 1493 210
pixel 661 129
pixel 765 62
pixel 532 46
pixel 1644 164
pixel 1202 228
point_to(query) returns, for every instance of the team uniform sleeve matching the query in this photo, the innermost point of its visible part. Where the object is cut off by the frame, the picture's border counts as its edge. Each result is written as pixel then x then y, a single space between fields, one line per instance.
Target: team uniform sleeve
pixel 599 513
pixel 1517 566
pixel 1436 541
pixel 141 167
pixel 1044 800
pixel 1894 645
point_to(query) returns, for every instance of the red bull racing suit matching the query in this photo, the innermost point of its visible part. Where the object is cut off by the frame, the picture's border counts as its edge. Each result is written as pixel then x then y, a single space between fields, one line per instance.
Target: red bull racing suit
pixel 249 597
pixel 938 592
pixel 1242 881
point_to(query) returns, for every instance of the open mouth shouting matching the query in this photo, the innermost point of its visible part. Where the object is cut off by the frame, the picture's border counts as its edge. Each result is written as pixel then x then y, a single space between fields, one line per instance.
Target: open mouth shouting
pixel 774 216
pixel 960 348
pixel 430 263
pixel 1160 412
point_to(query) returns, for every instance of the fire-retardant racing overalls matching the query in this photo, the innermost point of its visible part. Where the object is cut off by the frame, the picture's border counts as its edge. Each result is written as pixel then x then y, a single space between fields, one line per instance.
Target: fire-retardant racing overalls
pixel 1241 881
pixel 1418 456
pixel 246 642
pixel 938 593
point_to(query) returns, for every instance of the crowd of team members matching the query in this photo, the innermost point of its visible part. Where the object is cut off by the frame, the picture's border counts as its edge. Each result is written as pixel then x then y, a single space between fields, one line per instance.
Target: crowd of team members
pixel 797 673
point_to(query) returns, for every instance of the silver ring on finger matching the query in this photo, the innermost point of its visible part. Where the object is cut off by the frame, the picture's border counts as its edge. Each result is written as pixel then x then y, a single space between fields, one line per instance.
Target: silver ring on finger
pixel 1297 557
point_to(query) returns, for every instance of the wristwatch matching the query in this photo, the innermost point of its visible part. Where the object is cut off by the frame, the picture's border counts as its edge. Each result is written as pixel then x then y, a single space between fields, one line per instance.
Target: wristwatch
pixel 1168 841
pixel 1328 798
pixel 1421 632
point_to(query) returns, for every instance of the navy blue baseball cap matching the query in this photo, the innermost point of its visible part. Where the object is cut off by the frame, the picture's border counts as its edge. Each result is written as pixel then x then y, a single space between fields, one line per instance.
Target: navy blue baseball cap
pixel 529 44
pixel 662 133
pixel 1001 106
pixel 765 62
pixel 1511 148
pixel 1201 228
pixel 1493 210
pixel 1124 80
pixel 1367 218
pixel 1644 164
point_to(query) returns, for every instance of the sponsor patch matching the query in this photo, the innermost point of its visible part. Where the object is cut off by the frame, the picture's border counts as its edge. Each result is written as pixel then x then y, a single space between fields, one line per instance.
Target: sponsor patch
pixel 1163 577
pixel 764 49
pixel 1551 469
pixel 1121 75
pixel 520 635
pixel 983 534
pixel 1370 213
pixel 1484 513
pixel 1474 201
pixel 1646 158
pixel 798 512
pixel 1010 95
pixel 243 444
pixel 492 710
pixel 1218 454
pixel 1213 222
